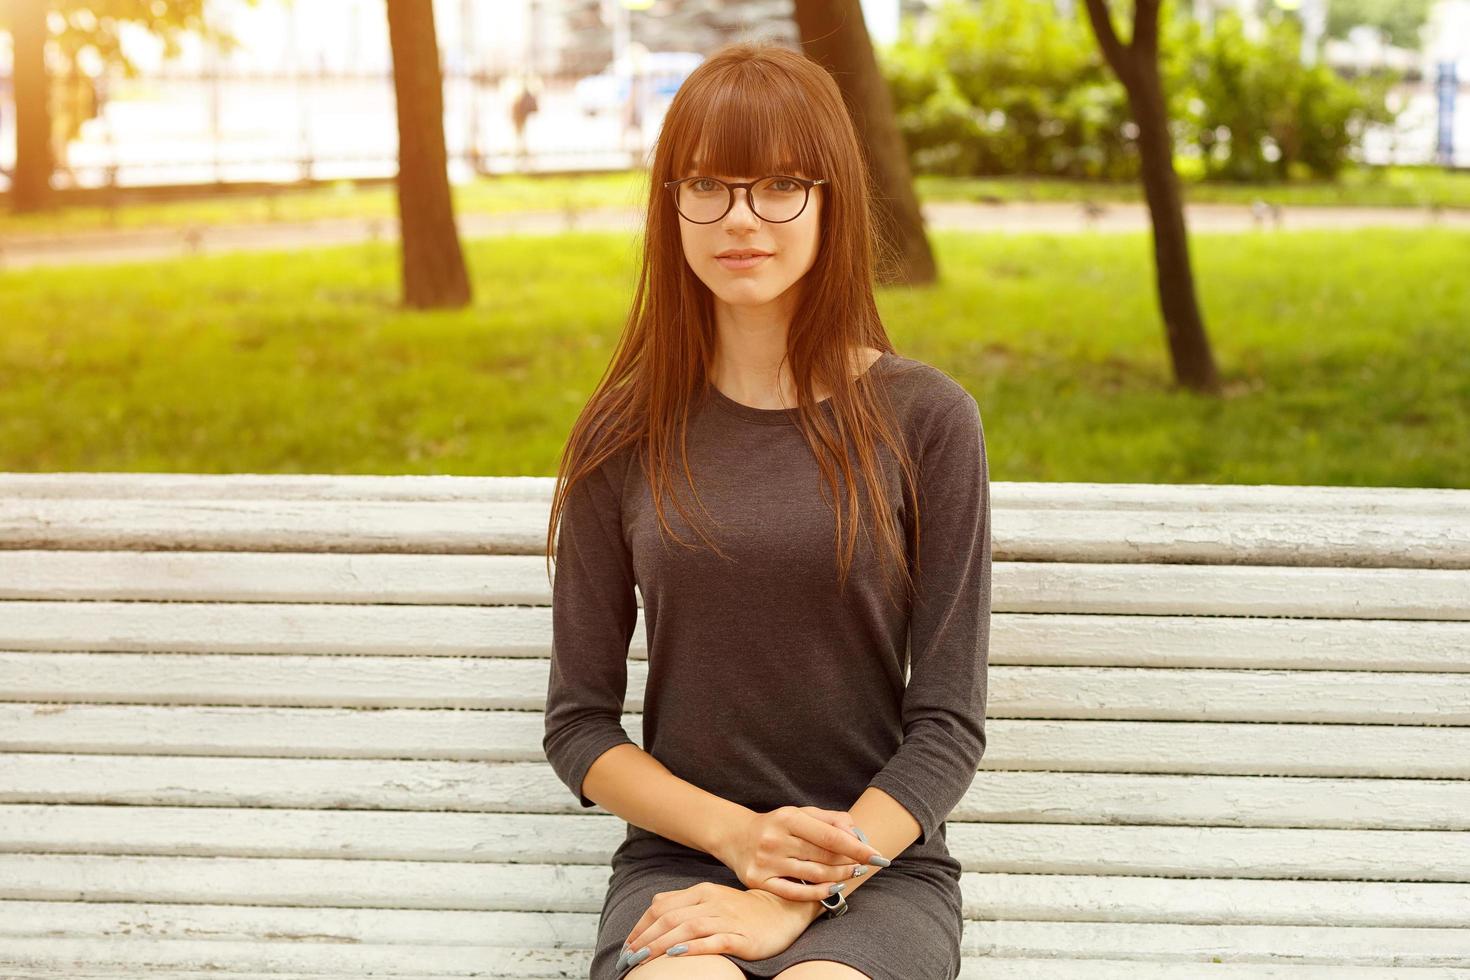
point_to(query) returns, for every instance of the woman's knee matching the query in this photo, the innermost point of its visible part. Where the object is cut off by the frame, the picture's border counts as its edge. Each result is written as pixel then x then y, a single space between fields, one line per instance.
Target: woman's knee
pixel 821 970
pixel 714 966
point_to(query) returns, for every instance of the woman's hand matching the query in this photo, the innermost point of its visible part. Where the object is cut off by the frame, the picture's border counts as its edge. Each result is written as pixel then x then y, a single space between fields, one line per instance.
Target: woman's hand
pixel 714 918
pixel 798 842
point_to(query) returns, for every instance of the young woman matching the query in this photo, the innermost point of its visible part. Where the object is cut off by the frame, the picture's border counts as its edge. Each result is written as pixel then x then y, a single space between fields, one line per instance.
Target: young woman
pixel 827 531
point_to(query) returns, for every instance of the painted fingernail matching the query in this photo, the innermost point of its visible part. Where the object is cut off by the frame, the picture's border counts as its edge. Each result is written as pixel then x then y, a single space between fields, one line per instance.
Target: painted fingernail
pixel 879 860
pixel 622 960
pixel 858 870
pixel 639 956
pixel 837 888
pixel 860 835
pixel 676 950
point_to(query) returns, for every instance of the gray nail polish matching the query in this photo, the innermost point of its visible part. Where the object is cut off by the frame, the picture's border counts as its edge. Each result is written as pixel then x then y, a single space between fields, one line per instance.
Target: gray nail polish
pixel 858 870
pixel 836 887
pixel 676 950
pixel 860 835
pixel 639 956
pixel 879 860
pixel 622 960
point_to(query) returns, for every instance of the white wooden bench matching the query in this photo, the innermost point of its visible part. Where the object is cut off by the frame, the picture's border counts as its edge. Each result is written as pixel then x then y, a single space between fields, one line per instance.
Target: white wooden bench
pixel 291 726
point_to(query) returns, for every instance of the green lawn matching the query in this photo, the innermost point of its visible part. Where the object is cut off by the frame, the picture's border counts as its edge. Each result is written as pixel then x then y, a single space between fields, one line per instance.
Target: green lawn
pixel 1399 186
pixel 1347 359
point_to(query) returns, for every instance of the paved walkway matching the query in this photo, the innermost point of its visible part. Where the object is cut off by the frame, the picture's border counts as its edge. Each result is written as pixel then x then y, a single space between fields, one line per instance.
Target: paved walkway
pixel 90 247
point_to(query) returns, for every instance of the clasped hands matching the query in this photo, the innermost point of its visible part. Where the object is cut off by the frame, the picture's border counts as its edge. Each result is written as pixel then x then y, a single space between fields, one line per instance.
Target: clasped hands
pixel 767 851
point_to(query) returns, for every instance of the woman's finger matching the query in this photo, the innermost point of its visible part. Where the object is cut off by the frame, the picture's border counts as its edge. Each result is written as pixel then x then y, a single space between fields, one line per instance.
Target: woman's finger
pixel 833 866
pixel 837 818
pixel 803 890
pixel 695 935
pixel 844 845
pixel 720 942
pixel 665 911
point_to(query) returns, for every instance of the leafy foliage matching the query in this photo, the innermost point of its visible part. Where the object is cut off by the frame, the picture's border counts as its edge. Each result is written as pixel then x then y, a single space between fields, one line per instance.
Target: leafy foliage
pixel 1400 20
pixel 1011 87
pixel 94 27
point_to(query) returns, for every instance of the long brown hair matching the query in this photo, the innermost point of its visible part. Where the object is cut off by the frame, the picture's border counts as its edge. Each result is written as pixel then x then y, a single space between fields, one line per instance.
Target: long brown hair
pixel 744 110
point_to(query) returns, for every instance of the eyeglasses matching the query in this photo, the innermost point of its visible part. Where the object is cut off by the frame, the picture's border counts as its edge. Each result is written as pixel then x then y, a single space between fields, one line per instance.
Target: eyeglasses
pixel 778 198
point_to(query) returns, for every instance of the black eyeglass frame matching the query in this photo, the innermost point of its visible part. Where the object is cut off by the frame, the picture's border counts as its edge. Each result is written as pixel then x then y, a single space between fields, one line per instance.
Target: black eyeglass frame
pixel 731 187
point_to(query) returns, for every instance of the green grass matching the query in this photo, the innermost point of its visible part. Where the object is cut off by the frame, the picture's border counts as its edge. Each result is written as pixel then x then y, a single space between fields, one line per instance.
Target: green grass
pixel 1358 187
pixel 1393 186
pixel 344 199
pixel 1346 359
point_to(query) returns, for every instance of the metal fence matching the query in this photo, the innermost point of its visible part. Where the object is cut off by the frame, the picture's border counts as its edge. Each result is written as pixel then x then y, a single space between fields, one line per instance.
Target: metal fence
pixel 201 127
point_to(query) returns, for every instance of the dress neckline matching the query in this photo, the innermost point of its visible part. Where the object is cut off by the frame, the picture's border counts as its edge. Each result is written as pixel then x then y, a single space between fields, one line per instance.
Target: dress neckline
pixel 783 416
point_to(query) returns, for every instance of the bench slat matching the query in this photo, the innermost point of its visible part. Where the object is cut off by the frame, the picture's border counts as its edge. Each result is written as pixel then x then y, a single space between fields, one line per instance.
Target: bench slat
pixel 1285 749
pixel 519 632
pixel 1152 693
pixel 982 944
pixel 477 838
pixel 1005 494
pixel 972 968
pixel 1051 587
pixel 470 899
pixel 527 787
pixel 1411 540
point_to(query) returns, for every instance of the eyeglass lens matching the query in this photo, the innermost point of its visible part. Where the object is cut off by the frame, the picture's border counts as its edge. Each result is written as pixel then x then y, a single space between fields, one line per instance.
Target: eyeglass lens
pixel 774 198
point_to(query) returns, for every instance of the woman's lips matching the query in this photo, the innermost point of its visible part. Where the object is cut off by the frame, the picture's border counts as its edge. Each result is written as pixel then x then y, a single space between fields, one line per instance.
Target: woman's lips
pixel 741 263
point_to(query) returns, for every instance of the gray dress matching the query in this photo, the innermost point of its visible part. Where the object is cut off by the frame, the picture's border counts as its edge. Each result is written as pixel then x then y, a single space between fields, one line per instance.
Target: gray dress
pixel 769 686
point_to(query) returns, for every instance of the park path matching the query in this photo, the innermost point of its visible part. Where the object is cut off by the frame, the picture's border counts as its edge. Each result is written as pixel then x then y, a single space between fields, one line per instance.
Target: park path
pixel 107 246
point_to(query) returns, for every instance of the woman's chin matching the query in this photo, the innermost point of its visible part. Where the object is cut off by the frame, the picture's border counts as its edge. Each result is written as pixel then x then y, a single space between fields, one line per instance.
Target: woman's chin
pixel 749 294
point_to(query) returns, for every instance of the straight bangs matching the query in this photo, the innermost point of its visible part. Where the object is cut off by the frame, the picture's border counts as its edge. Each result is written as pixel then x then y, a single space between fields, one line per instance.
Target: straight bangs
pixel 749 124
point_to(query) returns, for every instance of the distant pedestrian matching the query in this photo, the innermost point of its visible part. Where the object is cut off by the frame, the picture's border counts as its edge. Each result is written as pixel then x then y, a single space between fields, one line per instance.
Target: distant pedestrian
pixel 520 111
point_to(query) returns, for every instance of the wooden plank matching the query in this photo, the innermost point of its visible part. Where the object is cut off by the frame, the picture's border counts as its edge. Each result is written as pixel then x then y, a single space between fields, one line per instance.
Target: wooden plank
pixel 1411 540
pixel 559 965
pixel 283 487
pixel 295 578
pixel 1153 693
pixel 576 964
pixel 1311 749
pixel 1080 942
pixel 436 527
pixel 478 838
pixel 151 957
pixel 972 968
pixel 473 897
pixel 1038 639
pixel 1031 587
pixel 532 787
pixel 1005 494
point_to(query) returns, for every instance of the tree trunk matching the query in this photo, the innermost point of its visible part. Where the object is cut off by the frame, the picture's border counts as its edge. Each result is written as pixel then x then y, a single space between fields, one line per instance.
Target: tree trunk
pixel 834 35
pixel 434 272
pixel 1137 67
pixel 30 188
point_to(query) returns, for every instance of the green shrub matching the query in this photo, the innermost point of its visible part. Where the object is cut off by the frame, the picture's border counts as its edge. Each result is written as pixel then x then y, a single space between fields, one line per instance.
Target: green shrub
pixel 1265 116
pixel 1011 87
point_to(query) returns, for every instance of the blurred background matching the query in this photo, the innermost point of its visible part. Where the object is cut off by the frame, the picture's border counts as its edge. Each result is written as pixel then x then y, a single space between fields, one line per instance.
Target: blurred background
pixel 216 257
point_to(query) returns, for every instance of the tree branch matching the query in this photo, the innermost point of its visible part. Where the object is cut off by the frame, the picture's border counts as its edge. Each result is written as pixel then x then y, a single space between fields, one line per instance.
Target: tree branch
pixel 1145 43
pixel 1107 39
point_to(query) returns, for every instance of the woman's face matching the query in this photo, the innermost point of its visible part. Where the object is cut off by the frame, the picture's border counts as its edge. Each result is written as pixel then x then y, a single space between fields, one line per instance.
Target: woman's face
pixel 792 248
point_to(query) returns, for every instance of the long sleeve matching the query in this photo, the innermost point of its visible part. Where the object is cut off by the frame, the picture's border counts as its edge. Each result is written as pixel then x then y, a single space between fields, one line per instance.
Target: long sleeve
pixel 593 614
pixel 949 628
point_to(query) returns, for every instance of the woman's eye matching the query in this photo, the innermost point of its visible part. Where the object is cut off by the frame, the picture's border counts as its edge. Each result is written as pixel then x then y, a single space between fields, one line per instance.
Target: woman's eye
pixel 791 185
pixel 703 180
